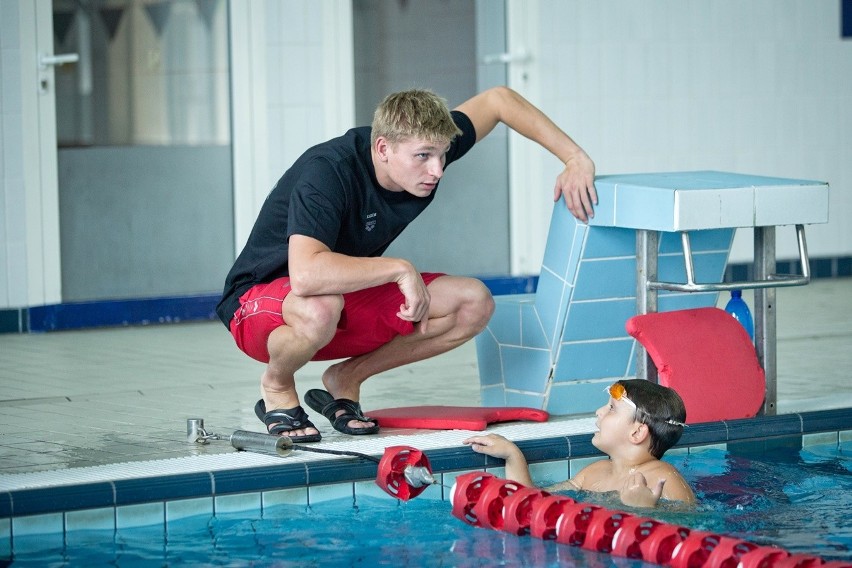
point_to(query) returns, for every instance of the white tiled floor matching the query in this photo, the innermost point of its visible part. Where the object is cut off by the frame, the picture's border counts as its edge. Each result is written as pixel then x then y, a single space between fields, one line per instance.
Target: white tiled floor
pixel 84 398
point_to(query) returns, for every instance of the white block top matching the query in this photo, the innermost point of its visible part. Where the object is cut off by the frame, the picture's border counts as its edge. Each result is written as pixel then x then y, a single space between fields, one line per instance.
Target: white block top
pixel 686 201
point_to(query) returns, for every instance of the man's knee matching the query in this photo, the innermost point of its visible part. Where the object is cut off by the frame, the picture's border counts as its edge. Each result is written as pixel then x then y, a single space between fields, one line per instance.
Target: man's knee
pixel 315 317
pixel 477 306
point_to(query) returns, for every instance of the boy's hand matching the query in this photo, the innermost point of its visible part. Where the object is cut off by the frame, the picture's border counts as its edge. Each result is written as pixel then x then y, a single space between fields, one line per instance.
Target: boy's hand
pixel 497 446
pixel 636 493
pixel 492 445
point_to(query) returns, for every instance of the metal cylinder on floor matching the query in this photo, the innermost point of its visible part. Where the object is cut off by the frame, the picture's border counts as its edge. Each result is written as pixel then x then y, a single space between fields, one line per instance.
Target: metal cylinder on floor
pixel 261 443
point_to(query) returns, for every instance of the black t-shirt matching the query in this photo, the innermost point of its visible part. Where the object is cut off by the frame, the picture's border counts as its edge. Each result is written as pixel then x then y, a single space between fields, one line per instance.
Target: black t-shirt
pixel 331 194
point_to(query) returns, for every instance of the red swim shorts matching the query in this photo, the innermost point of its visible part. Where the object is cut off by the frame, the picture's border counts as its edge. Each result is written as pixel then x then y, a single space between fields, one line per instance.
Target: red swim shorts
pixel 368 320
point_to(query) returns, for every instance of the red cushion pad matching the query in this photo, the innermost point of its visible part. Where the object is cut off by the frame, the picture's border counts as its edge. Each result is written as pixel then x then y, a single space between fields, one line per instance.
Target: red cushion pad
pixel 707 357
pixel 453 417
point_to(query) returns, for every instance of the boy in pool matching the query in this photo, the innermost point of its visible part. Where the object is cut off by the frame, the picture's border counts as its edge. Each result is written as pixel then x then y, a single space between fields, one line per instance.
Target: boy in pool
pixel 636 426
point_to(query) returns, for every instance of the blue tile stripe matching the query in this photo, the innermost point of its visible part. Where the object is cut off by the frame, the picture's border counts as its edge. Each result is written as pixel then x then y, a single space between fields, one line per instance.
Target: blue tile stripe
pixel 174 487
pixel 63 498
pixel 260 478
pixel 121 312
pixel 144 311
pixel 165 488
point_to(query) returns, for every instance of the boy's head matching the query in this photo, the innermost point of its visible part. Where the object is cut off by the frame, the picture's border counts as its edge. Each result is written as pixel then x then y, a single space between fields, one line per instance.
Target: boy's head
pixel 416 113
pixel 658 407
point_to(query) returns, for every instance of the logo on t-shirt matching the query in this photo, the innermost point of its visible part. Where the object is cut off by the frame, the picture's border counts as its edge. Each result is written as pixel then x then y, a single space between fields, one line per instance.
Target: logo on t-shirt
pixel 371 221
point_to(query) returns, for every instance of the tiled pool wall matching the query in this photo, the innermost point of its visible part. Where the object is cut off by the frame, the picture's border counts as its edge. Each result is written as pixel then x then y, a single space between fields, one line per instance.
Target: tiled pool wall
pixel 54 516
pixel 548 349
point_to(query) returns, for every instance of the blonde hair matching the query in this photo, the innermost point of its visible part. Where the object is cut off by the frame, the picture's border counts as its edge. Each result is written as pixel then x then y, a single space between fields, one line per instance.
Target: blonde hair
pixel 416 113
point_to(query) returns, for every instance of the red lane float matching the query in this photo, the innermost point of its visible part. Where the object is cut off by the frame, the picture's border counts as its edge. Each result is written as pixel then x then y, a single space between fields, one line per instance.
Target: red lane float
pixel 799 561
pixel 603 527
pixel 489 507
pixel 518 509
pixel 572 525
pixel 628 540
pixel 729 552
pixel 465 494
pixel 398 461
pixel 694 550
pixel 661 543
pixel 545 515
pixel 762 556
pixel 483 500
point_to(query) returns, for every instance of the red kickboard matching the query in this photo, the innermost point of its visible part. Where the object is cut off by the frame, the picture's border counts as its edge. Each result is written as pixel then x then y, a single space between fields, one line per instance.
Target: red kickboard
pixel 707 357
pixel 453 417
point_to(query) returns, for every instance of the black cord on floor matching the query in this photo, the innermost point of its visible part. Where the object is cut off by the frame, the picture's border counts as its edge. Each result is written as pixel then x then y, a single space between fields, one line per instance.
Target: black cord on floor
pixel 336 452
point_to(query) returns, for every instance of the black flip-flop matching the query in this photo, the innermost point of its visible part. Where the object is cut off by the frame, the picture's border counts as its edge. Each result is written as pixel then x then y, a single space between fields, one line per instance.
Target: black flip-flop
pixel 321 401
pixel 281 421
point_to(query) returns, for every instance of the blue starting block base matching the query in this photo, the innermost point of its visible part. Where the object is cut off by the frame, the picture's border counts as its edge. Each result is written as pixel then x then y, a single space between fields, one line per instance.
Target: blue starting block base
pixel 658 242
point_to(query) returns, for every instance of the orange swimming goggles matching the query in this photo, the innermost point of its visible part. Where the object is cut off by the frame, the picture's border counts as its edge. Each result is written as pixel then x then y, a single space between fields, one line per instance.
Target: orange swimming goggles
pixel 618 392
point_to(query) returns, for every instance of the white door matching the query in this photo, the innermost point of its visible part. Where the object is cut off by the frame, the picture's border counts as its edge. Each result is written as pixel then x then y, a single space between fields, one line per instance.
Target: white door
pixel 142 122
pixel 39 153
pixel 530 193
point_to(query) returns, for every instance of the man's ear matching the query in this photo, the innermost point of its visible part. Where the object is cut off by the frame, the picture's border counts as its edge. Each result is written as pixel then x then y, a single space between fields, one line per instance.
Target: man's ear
pixel 639 433
pixel 381 148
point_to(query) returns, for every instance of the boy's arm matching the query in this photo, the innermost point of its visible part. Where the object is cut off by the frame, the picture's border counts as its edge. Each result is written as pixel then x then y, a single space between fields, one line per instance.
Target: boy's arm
pixel 637 493
pixel 677 489
pixel 567 485
pixel 664 482
pixel 499 447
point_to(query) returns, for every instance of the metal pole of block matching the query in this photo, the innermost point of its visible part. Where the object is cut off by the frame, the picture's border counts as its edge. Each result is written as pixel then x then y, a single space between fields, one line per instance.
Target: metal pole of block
pixel 764 313
pixel 647 246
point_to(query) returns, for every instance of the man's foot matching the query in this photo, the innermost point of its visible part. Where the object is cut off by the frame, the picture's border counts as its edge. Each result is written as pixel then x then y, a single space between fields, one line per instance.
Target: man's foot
pixel 342 413
pixel 282 413
pixel 292 422
pixel 335 382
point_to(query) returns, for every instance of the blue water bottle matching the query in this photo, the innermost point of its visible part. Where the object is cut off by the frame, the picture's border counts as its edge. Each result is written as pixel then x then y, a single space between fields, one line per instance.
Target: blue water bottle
pixel 737 307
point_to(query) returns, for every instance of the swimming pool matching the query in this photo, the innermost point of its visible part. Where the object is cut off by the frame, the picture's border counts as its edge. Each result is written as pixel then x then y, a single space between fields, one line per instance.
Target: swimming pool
pixel 778 498
pixel 794 498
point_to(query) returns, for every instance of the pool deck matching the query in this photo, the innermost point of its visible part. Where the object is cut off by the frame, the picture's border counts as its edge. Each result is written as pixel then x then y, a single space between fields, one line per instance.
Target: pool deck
pixel 110 406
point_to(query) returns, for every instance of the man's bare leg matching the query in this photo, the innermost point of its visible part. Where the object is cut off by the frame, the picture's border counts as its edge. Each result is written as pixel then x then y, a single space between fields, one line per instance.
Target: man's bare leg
pixel 460 308
pixel 311 325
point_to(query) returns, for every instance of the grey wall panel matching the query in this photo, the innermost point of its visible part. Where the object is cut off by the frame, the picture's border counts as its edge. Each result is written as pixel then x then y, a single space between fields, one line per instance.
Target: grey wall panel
pixel 144 221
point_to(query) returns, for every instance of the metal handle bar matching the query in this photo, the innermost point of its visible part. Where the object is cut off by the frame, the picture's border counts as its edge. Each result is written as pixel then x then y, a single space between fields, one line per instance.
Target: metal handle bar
pixel 772 280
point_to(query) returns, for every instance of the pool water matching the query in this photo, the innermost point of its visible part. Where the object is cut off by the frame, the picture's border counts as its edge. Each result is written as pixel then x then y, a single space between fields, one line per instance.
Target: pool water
pixel 798 500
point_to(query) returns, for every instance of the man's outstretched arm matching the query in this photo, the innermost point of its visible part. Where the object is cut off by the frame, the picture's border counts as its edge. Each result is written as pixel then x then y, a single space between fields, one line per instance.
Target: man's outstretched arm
pixel 501 104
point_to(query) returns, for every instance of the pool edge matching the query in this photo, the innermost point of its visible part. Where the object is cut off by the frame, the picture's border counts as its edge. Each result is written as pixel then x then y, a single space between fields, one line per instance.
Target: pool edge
pixel 98 504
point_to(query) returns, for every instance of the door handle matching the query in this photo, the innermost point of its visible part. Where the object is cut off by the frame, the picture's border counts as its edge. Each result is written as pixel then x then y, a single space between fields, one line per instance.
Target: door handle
pixel 46 61
pixel 520 57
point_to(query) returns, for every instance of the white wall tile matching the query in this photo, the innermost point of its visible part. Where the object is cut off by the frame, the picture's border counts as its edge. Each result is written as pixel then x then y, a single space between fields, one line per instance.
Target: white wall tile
pixel 549 473
pixel 294 496
pixel 186 508
pixel 723 85
pixel 101 519
pixel 371 489
pixel 49 524
pixel 6 537
pixel 318 494
pixel 141 515
pixel 243 503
